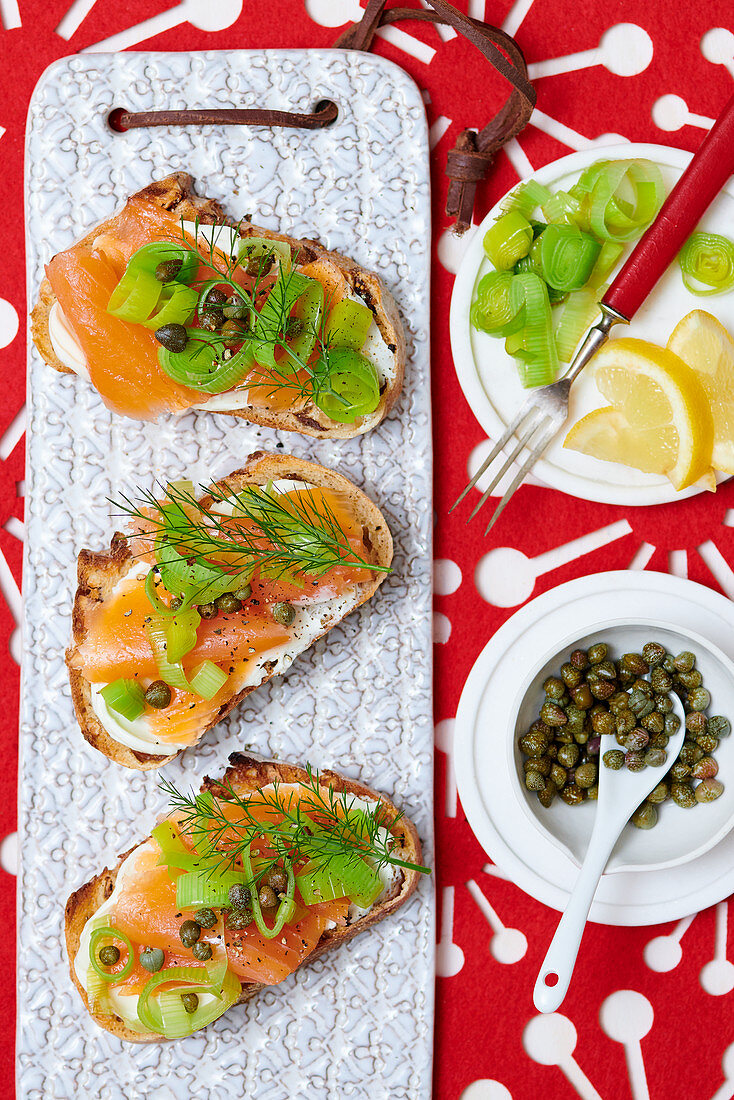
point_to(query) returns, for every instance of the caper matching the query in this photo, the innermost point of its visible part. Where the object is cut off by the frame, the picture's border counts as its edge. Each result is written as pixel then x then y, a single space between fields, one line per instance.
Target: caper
pixel 682 794
pixel 655 758
pixel 238 919
pixel 680 771
pixel 661 680
pixel 579 659
pixel 158 695
pixel 558 776
pixel 190 1001
pixel 684 662
pixel 719 726
pixel 653 722
pixel 243 593
pixel 613 758
pixel 167 270
pixel 603 723
pixel 699 699
pixel 201 951
pixel 540 765
pixel 533 744
pixel 534 781
pixel 593 793
pixel 594 746
pixel 570 675
pixel 571 794
pixel 653 653
pixel 690 753
pixel 625 721
pixel 645 816
pixel 152 959
pixel 233 333
pixel 189 932
pixel 546 796
pixel 207 918
pixel 563 735
pixel 691 680
pixel 582 697
pixel 672 724
pixel 708 743
pixel 239 896
pixel 659 793
pixel 568 755
pixel 268 898
pixel 637 740
pixel 172 337
pixel 618 702
pixel 109 955
pixel 260 266
pixel 596 653
pixel 207 610
pixel 659 741
pixel 645 687
pixel 706 768
pixel 636 663
pixel 228 603
pixel 696 723
pixel 216 297
pixel 606 670
pixel 668 663
pixel 296 328
pixel 708 790
pixel 176 602
pixel 211 320
pixel 602 689
pixel 554 688
pixel 236 310
pixel 552 715
pixel 284 613
pixel 663 704
pixel 277 879
pixel 574 715
pixel 586 775
pixel 634 761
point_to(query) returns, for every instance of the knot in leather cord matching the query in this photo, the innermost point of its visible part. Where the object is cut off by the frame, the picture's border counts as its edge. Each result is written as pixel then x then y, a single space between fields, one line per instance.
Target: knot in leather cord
pixel 469 160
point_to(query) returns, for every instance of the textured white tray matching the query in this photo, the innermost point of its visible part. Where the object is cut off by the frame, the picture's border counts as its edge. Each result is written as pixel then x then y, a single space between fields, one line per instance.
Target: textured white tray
pixel 357 1024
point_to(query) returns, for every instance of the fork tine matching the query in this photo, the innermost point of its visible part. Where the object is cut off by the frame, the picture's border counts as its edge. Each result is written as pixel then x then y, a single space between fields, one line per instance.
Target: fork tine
pixel 532 458
pixel 525 411
pixel 521 444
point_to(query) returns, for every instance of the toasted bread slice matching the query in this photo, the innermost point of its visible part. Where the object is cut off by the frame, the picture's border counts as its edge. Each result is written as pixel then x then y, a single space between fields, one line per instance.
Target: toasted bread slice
pixel 176 194
pixel 247 775
pixel 99 573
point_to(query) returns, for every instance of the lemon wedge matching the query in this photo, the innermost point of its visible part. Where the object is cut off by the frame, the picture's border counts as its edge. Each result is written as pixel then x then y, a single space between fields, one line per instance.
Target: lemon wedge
pixel 658 419
pixel 708 349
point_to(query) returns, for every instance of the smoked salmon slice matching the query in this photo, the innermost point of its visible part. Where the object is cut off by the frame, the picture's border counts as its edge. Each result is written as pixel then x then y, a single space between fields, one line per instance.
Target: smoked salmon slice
pixel 116 645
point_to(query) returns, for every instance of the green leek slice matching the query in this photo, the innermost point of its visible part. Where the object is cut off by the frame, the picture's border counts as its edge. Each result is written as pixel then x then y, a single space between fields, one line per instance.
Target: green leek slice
pixel 224 986
pixel 348 325
pixel 105 932
pixel 491 310
pixel 260 249
pixel 202 366
pixel 508 240
pixel 345 385
pixel 207 679
pixel 181 634
pixel 567 257
pixel 271 327
pixel 124 697
pixel 707 264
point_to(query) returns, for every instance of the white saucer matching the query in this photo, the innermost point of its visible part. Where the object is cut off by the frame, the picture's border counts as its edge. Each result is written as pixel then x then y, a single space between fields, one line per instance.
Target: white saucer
pixel 509 835
pixel 488 376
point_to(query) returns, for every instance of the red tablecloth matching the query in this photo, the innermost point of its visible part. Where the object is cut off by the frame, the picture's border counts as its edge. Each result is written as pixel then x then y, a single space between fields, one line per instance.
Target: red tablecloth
pixel 653 81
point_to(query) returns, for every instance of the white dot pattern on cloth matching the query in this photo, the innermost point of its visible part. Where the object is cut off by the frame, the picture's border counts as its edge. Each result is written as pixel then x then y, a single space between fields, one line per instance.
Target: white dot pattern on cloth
pixel 333 13
pixel 441 628
pixel 8 323
pixel 486 1090
pixel 9 854
pixel 446 576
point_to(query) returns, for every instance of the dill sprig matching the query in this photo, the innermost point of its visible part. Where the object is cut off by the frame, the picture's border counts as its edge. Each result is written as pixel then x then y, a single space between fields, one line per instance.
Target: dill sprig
pixel 320 825
pixel 303 382
pixel 290 537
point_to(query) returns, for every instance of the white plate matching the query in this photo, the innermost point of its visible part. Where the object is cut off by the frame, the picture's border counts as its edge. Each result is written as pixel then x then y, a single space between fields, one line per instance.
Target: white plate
pixel 488 376
pixel 485 766
pixel 359 700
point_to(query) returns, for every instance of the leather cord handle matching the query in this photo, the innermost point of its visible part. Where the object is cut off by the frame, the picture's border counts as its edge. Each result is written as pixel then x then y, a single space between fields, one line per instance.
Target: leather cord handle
pixel 324 115
pixel 470 159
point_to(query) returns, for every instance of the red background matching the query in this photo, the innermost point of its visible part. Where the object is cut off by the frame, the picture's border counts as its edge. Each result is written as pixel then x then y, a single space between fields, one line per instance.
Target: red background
pixel 482 1011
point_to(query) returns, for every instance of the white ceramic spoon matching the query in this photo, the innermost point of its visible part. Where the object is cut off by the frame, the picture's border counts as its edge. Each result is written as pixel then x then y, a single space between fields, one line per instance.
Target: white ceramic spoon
pixel 620 793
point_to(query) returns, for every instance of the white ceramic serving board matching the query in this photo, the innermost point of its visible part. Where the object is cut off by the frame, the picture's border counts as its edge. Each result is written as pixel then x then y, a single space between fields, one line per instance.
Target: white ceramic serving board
pixel 358 1023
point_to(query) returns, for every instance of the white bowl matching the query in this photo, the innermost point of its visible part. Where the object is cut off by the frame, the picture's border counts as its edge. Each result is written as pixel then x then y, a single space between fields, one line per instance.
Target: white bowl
pixel 680 834
pixel 488 375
